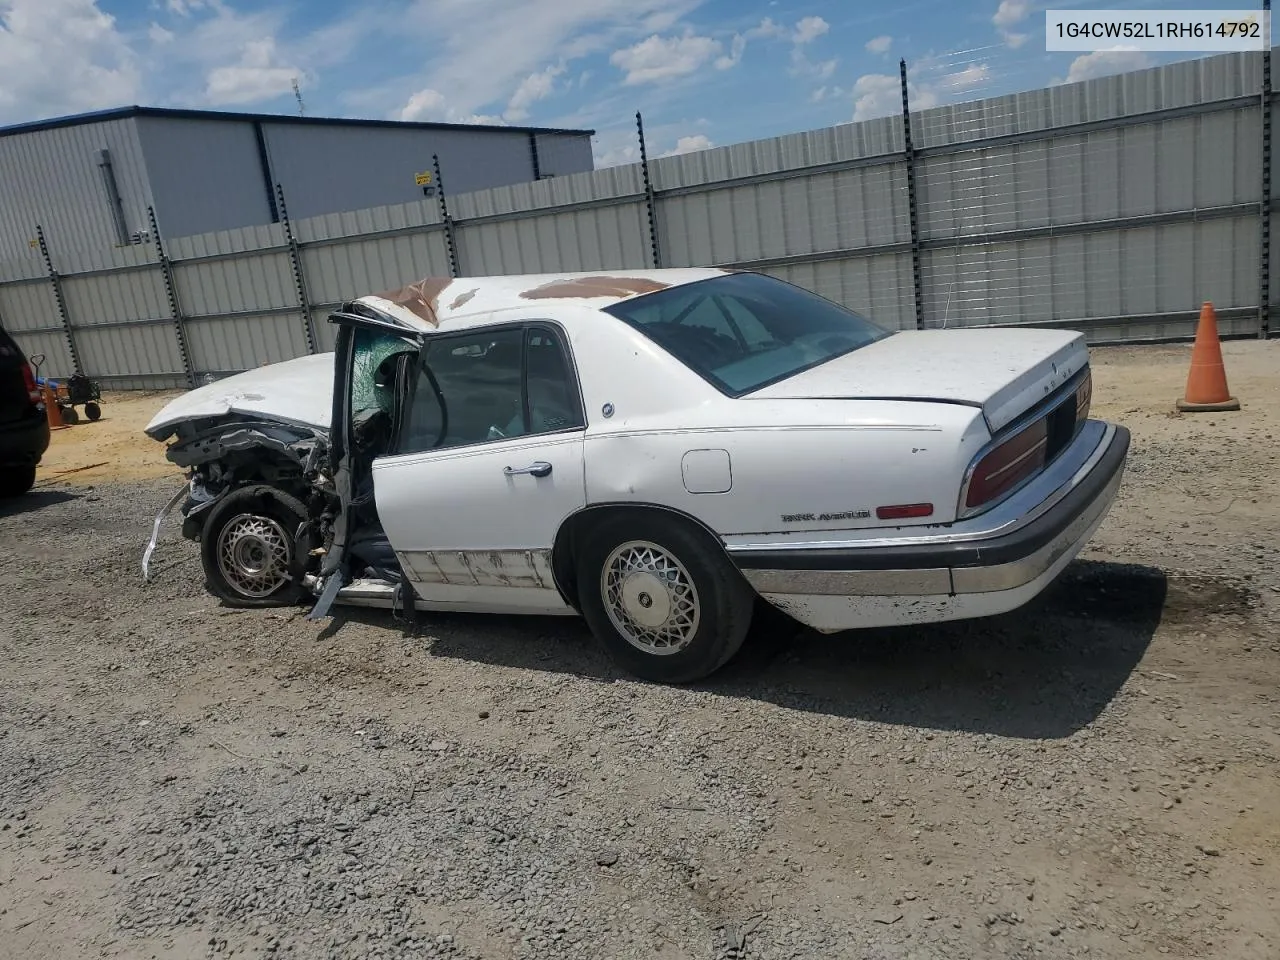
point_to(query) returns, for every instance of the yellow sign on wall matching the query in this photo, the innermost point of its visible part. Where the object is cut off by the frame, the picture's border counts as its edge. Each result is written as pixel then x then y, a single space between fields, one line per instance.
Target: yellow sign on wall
pixel 422 179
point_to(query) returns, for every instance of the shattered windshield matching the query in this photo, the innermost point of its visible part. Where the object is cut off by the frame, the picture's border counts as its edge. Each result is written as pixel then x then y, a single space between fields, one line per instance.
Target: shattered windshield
pixel 371 348
pixel 743 331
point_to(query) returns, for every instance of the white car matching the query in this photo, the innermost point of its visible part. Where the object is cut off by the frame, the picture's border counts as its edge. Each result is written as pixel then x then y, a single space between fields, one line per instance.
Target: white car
pixel 653 450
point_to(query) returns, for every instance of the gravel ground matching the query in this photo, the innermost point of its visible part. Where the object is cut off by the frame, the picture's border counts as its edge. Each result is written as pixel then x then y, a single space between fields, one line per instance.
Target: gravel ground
pixel 1095 775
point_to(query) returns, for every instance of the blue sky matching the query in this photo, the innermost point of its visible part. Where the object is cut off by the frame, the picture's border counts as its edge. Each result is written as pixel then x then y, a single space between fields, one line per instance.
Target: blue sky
pixel 704 72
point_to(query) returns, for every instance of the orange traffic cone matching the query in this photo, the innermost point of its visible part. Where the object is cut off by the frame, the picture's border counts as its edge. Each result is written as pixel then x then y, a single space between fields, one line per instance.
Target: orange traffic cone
pixel 1207 380
pixel 52 412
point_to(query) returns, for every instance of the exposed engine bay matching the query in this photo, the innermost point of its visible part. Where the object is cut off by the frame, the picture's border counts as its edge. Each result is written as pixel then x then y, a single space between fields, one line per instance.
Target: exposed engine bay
pixel 311 498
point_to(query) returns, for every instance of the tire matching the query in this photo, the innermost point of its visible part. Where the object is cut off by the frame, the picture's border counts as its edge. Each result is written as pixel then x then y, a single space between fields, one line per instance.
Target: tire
pixel 69 415
pixel 713 627
pixel 16 480
pixel 92 410
pixel 252 529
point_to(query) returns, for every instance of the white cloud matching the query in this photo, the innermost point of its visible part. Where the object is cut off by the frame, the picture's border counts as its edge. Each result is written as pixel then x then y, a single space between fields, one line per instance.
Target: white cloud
pixel 618 145
pixel 423 106
pixel 478 51
pixel 481 119
pixel 62 56
pixel 737 48
pixel 1102 63
pixel 656 59
pixel 259 75
pixel 974 75
pixel 930 83
pixel 613 148
pixel 880 95
pixel 806 31
pixel 876 95
pixel 766 29
pixel 691 144
pixel 158 34
pixel 810 29
pixel 879 44
pixel 535 87
pixel 183 8
pixel 1009 14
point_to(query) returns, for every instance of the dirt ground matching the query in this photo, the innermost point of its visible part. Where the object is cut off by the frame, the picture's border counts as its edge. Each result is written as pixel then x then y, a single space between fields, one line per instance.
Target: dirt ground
pixel 1095 775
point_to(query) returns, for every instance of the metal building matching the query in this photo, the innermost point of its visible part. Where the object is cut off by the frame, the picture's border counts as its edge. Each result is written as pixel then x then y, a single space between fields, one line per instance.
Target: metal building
pixel 88 179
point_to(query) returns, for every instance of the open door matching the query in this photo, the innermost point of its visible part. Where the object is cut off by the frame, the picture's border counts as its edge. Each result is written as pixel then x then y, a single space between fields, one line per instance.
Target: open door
pixel 375 363
pixel 488 463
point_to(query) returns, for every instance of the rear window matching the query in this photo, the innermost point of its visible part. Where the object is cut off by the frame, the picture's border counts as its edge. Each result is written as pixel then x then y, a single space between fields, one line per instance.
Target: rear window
pixel 744 331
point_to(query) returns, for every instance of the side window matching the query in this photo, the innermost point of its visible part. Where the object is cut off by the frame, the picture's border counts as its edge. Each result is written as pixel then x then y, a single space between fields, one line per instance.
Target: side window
pixel 424 423
pixel 492 385
pixel 551 389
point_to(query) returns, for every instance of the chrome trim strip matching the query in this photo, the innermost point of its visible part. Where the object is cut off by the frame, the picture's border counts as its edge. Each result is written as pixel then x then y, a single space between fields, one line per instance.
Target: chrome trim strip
pixel 852 583
pixel 1010 576
pixel 940 581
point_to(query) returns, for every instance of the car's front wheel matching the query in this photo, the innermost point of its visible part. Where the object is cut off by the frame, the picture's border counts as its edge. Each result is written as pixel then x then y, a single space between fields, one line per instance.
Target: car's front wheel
pixel 662 597
pixel 248 548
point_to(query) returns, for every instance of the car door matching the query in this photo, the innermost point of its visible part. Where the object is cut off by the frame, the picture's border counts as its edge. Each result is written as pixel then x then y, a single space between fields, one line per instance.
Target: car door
pixel 488 464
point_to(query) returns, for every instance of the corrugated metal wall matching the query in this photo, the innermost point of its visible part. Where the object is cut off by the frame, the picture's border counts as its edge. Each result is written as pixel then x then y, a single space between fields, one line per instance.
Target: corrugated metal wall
pixel 52 178
pixel 205 174
pixel 373 166
pixel 1115 206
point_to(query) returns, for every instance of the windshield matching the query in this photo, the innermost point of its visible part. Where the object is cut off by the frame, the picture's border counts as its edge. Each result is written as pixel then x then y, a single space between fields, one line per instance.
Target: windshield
pixel 743 331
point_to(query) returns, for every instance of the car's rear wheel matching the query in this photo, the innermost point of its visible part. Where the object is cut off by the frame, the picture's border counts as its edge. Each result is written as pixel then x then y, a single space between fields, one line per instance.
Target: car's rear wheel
pixel 249 551
pixel 15 481
pixel 662 597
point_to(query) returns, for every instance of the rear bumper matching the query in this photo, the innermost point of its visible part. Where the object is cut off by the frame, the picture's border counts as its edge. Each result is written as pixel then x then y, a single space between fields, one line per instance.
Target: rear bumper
pixel 24 442
pixel 966 570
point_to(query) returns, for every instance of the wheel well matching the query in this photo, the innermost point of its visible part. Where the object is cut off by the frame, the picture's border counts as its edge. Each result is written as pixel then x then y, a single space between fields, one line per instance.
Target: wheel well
pixel 569 538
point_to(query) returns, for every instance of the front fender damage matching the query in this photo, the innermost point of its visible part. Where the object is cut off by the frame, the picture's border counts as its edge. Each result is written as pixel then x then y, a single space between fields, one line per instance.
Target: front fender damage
pixel 221 455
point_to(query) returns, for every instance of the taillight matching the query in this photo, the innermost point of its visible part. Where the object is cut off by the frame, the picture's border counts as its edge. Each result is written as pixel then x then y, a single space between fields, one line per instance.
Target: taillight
pixel 1084 397
pixel 1008 465
pixel 29 378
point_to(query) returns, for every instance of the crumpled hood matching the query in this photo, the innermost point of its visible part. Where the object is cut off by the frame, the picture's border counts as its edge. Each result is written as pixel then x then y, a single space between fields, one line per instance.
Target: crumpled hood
pixel 298 391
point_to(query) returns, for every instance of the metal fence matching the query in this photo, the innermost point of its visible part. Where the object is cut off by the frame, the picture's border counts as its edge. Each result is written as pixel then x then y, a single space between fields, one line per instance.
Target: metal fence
pixel 1115 206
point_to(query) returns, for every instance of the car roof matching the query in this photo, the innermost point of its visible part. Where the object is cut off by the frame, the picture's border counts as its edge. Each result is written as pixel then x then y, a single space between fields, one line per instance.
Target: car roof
pixel 444 303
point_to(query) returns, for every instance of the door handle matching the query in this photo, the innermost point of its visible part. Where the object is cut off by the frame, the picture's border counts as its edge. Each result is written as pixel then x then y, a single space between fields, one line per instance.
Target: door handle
pixel 539 468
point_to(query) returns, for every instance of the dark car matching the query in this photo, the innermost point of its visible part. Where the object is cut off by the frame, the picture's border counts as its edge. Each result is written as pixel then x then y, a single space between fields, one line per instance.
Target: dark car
pixel 24 428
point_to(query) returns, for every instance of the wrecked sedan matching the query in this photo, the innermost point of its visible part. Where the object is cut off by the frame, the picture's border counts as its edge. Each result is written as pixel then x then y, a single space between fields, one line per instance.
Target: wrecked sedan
pixel 654 452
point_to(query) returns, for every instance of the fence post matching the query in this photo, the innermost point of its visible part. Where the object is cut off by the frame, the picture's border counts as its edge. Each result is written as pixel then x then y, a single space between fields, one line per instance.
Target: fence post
pixel 1264 208
pixel 913 212
pixel 451 245
pixel 171 291
pixel 299 278
pixel 61 302
pixel 649 202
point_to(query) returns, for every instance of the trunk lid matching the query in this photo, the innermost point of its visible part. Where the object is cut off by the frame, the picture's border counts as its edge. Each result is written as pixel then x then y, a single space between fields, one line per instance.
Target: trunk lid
pixel 1004 372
